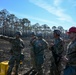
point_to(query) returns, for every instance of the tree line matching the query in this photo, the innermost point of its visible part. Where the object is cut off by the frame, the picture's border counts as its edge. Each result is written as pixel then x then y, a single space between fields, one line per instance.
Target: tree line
pixel 9 24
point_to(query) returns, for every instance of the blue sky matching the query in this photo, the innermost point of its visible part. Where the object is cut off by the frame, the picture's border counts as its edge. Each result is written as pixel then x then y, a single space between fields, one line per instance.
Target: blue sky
pixel 50 12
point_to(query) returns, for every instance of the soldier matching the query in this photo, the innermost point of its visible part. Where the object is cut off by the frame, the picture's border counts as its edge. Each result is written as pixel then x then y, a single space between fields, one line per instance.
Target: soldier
pixel 38 49
pixel 16 49
pixel 33 39
pixel 57 49
pixel 71 53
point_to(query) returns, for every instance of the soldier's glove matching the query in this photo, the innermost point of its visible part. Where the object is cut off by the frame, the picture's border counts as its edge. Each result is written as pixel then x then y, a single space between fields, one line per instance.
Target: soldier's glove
pixel 51 46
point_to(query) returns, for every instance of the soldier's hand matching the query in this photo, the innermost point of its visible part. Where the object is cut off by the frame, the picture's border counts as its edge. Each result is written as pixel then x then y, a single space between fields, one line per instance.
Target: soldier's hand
pixel 64 59
pixel 51 45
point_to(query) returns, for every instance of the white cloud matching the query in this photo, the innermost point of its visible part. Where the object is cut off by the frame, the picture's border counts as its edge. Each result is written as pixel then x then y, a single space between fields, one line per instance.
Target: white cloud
pixel 57 11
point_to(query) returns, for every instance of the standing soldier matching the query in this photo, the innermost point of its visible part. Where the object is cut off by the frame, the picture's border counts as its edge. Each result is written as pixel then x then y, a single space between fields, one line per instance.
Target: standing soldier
pixel 32 41
pixel 57 49
pixel 38 49
pixel 71 53
pixel 16 49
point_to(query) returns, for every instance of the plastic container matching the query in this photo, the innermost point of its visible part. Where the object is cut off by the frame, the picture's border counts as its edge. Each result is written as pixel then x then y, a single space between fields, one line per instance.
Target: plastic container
pixel 3 67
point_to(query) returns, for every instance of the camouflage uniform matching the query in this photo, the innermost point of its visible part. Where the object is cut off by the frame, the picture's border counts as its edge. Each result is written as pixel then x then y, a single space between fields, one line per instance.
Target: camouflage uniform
pixel 38 48
pixel 16 48
pixel 57 52
pixel 71 55
pixel 33 39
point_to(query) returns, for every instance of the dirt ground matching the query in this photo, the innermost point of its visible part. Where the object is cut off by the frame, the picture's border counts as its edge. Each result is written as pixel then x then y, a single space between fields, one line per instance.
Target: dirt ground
pixel 5 55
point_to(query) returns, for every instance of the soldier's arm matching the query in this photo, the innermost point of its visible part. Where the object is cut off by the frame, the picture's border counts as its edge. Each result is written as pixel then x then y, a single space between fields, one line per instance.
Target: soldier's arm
pixel 59 48
pixel 33 40
pixel 46 44
pixel 22 45
pixel 6 38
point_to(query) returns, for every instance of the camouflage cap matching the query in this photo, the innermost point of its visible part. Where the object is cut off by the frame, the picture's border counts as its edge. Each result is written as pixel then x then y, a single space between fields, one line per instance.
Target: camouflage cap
pixel 32 34
pixel 39 35
pixel 58 32
pixel 18 33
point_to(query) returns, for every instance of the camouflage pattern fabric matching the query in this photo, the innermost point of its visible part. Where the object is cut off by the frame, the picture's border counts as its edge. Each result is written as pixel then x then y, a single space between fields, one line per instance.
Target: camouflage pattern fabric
pixel 32 51
pixel 57 52
pixel 71 55
pixel 38 50
pixel 16 48
pixel 39 46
